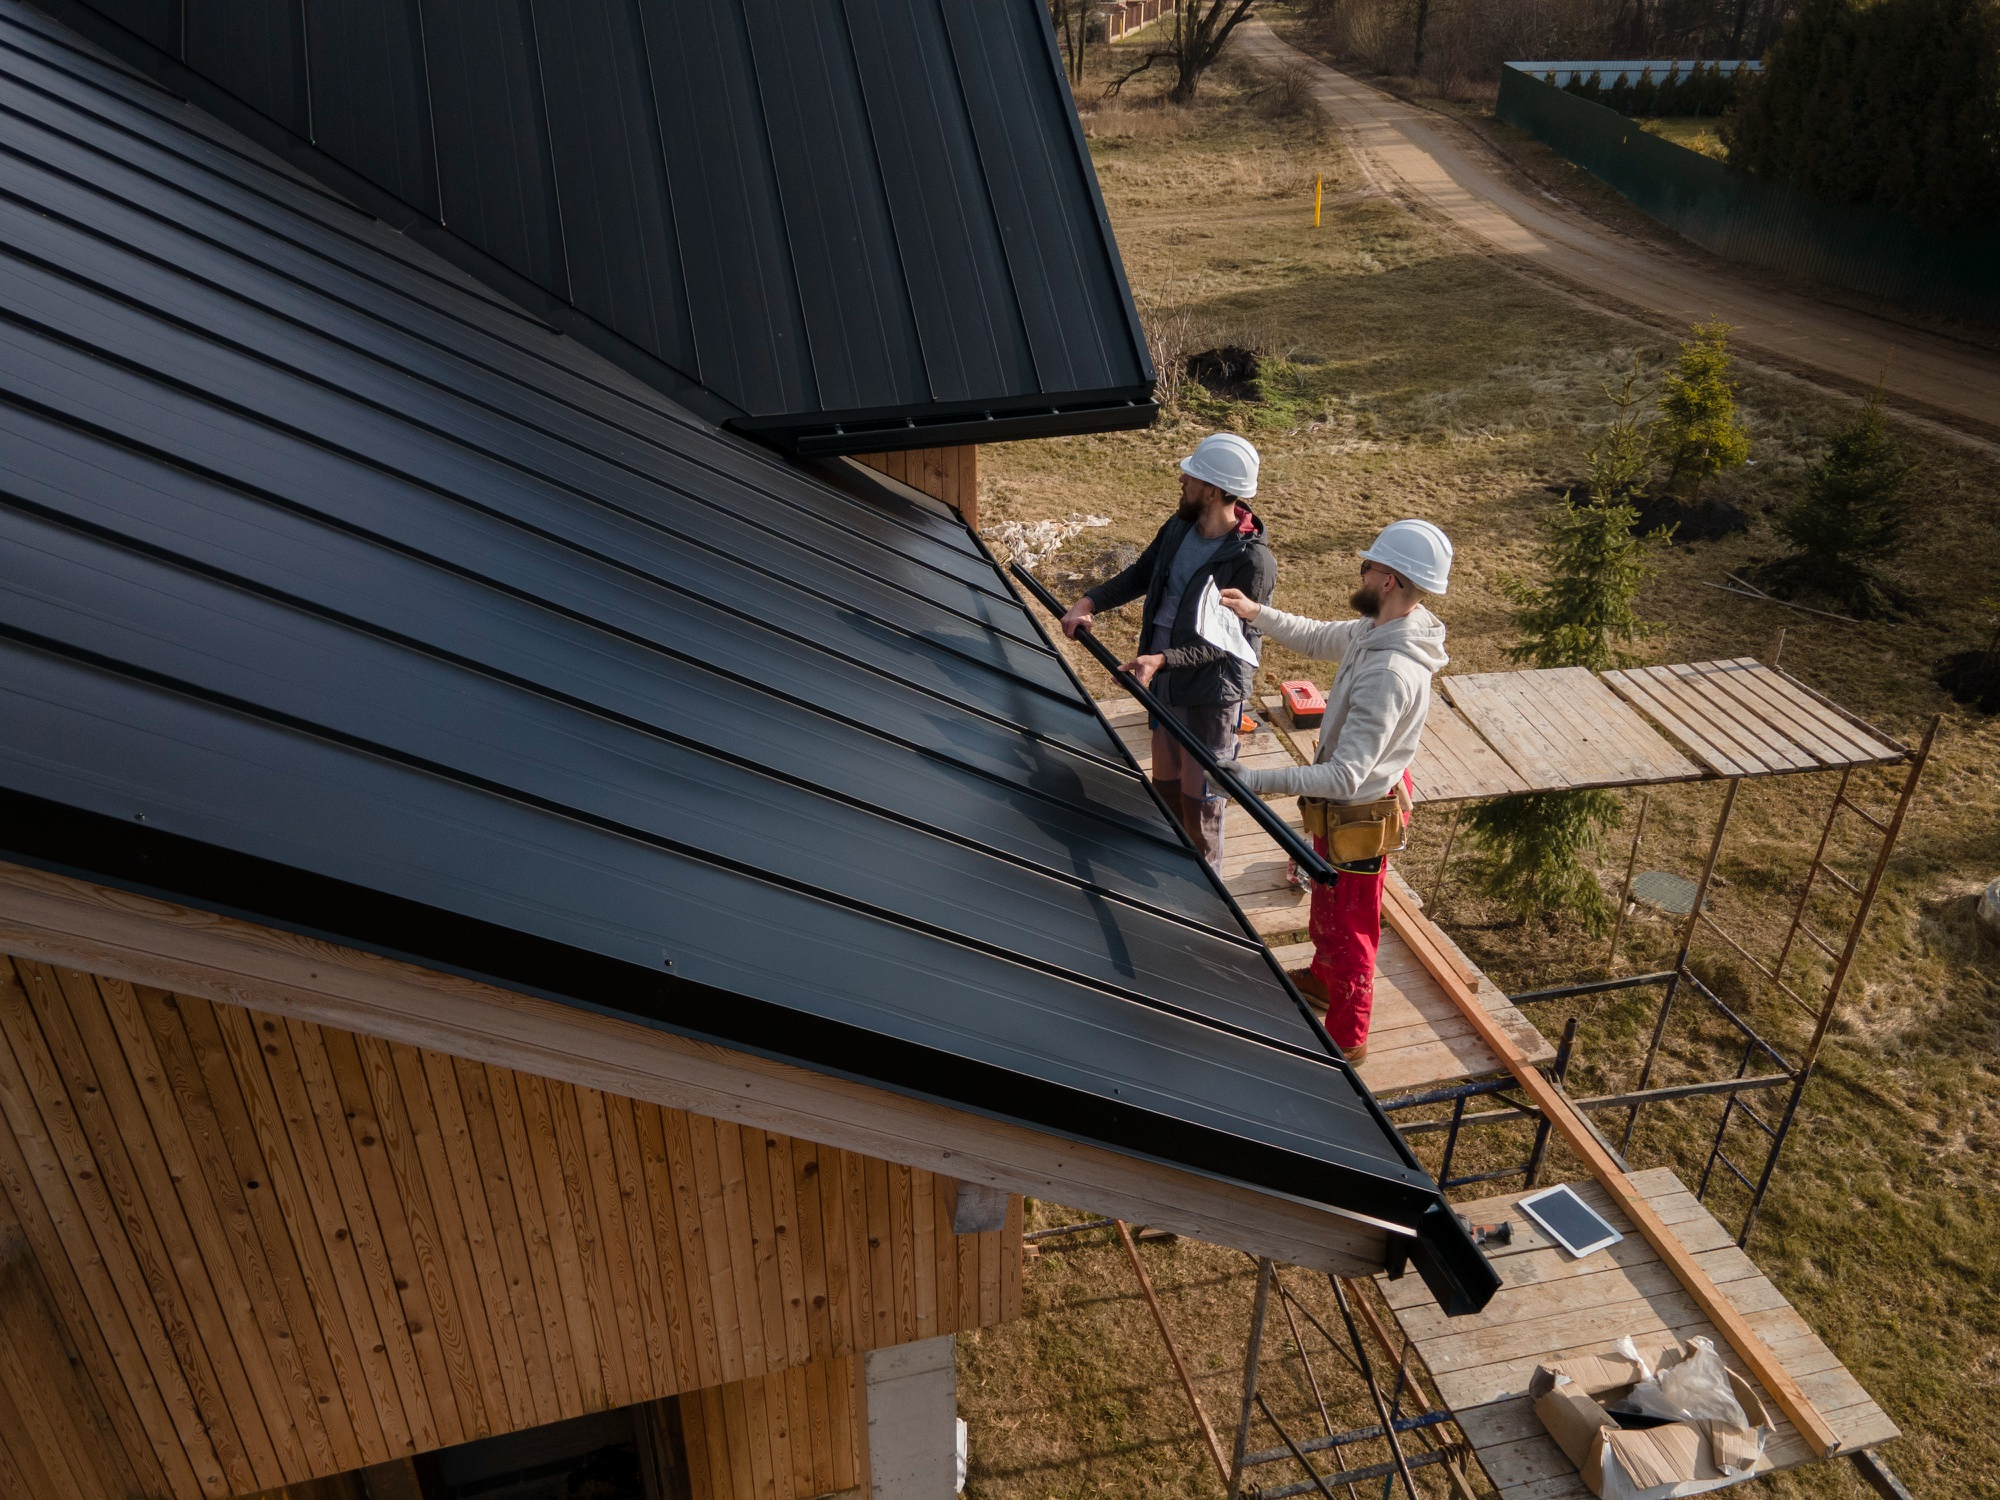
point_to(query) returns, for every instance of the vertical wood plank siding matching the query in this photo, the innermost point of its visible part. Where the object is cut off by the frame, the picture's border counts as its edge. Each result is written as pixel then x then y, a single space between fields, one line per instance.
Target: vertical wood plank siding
pixel 240 1252
pixel 947 474
pixel 794 1435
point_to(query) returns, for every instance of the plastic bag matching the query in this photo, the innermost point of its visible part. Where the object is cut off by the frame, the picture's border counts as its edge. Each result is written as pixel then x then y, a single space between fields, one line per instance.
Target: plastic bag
pixel 1697 1384
pixel 1627 1347
pixel 1646 1402
pixel 1645 1405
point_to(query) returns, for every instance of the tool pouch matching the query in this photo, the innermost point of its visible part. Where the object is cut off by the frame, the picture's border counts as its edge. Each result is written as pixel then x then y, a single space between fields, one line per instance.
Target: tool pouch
pixel 1357 831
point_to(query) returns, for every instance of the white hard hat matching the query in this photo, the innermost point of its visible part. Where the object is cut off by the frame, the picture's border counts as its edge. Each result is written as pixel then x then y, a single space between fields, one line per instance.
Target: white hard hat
pixel 1415 549
pixel 1226 461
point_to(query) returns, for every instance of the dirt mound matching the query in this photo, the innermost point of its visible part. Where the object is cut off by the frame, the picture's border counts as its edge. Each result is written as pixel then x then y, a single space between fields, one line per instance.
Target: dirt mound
pixel 1703 521
pixel 1087 569
pixel 1973 678
pixel 1229 372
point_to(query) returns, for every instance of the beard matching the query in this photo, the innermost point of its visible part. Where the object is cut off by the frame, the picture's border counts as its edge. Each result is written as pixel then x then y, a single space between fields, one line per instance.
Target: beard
pixel 1366 600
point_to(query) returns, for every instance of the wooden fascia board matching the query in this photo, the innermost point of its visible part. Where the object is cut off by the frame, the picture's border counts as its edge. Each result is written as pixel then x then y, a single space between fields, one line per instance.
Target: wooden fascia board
pixel 73 923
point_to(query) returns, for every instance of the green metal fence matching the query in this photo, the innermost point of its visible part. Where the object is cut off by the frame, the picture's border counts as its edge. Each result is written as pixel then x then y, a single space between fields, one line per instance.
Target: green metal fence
pixel 1760 223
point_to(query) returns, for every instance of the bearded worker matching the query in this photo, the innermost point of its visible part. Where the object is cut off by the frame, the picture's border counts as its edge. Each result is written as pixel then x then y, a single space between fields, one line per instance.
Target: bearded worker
pixel 1355 797
pixel 1212 535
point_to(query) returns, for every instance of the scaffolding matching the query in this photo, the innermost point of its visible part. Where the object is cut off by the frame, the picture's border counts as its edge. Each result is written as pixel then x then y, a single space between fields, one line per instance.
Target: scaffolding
pixel 1761 1065
pixel 1715 721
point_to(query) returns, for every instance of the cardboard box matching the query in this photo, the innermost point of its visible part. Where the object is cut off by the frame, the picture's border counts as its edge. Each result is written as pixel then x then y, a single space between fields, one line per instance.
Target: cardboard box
pixel 1654 1463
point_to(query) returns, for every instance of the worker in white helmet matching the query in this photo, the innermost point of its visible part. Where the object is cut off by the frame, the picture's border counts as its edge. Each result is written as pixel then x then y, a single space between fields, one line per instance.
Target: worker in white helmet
pixel 1212 535
pixel 1355 797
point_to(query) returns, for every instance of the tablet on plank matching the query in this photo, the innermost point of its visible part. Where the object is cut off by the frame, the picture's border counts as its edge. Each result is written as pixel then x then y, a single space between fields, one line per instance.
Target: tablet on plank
pixel 1570 1222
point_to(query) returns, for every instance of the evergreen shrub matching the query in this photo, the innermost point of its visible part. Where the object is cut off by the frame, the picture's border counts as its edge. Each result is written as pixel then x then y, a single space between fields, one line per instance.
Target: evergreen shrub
pixel 1848 524
pixel 1534 850
pixel 1697 431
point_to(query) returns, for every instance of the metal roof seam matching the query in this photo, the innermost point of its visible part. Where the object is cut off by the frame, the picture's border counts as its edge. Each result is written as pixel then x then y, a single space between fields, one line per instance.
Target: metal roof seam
pixel 654 730
pixel 568 292
pixel 675 847
pixel 667 177
pixel 986 189
pixel 684 537
pixel 784 216
pixel 902 261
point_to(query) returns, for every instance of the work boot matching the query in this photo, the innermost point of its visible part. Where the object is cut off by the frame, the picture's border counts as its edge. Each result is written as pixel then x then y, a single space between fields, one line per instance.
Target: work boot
pixel 1313 988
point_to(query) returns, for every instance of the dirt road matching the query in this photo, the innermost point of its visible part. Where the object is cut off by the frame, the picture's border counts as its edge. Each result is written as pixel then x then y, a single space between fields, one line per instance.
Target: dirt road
pixel 1443 170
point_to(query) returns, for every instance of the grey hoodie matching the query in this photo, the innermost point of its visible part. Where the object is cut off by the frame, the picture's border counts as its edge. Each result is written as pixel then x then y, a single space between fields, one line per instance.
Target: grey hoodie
pixel 1376 709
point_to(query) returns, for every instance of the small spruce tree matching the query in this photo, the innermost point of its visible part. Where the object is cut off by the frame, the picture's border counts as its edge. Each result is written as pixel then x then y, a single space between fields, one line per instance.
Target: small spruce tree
pixel 1849 522
pixel 1697 431
pixel 1535 849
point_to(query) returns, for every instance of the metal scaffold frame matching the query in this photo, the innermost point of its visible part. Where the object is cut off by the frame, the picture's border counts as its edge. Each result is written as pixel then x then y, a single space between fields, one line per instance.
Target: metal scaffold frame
pixel 1775 1070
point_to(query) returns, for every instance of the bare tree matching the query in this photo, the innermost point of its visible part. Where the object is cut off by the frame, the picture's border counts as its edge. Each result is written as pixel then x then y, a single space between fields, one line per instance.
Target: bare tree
pixel 1193 46
pixel 1071 18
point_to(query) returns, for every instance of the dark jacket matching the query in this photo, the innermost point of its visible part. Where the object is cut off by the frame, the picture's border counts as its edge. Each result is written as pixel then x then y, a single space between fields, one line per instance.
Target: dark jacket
pixel 1195 671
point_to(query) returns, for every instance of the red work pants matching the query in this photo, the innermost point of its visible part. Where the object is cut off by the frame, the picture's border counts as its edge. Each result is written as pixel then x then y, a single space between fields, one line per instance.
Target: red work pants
pixel 1346 929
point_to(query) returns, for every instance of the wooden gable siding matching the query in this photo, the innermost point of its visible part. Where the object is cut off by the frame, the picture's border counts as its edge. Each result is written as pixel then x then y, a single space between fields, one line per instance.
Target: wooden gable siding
pixel 947 474
pixel 794 1435
pixel 281 1250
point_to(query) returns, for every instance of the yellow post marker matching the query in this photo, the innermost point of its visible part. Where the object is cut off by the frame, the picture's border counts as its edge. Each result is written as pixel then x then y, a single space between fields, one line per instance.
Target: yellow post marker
pixel 1319 181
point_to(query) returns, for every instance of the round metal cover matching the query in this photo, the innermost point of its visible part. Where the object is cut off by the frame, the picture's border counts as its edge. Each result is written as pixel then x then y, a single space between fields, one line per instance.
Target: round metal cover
pixel 1669 893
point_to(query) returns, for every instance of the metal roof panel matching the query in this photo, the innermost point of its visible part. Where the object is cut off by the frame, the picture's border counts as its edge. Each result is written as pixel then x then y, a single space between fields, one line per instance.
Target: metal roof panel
pixel 341 596
pixel 857 225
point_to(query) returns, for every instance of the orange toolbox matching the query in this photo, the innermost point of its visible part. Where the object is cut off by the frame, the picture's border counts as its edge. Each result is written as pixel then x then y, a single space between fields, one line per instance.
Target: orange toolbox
pixel 1305 703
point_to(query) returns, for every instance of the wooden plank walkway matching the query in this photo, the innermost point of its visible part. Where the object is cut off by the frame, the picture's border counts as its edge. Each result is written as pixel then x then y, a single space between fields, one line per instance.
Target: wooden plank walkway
pixel 1561 728
pixel 1500 734
pixel 1418 1038
pixel 1453 763
pixel 1740 718
pixel 1553 1306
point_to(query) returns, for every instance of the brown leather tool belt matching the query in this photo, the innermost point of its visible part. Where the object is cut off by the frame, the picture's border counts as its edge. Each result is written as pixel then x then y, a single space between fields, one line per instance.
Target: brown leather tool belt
pixel 1356 831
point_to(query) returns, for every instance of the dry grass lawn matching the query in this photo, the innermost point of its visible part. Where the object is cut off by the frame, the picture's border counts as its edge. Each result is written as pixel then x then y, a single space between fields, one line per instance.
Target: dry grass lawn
pixel 1406 376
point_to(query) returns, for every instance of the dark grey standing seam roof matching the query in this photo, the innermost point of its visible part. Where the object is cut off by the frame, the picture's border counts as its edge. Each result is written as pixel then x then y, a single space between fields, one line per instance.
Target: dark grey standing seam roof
pixel 853 224
pixel 336 593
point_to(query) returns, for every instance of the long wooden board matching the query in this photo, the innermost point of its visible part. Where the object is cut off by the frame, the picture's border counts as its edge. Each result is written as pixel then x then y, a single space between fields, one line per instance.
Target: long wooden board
pixel 1741 718
pixel 1733 1325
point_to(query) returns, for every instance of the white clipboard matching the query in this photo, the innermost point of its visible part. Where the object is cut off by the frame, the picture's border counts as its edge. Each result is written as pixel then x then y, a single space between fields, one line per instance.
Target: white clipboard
pixel 1219 626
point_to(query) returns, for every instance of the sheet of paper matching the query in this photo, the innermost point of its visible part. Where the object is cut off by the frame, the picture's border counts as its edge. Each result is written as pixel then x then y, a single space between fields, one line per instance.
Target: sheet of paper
pixel 1219 626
